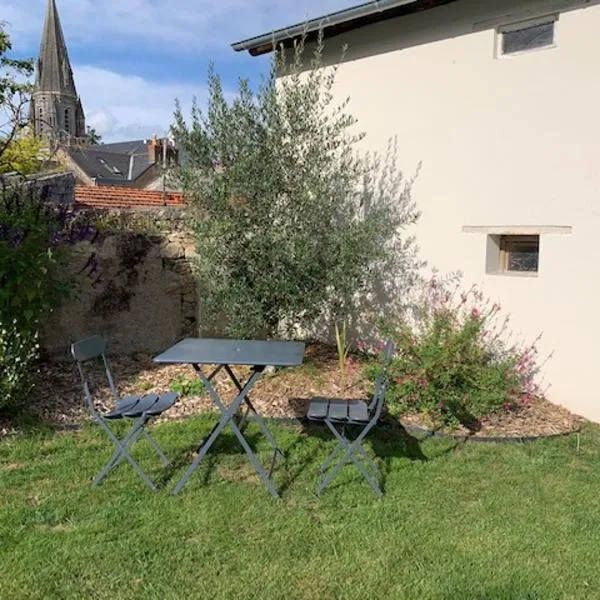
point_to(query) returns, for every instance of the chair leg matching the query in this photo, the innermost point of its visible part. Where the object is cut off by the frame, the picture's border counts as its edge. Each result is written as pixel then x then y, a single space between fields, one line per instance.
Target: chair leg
pixel 368 459
pixel 122 451
pixel 340 447
pixel 349 455
pixel 118 456
pixel 327 464
pixel 152 442
pixel 329 460
pixel 156 447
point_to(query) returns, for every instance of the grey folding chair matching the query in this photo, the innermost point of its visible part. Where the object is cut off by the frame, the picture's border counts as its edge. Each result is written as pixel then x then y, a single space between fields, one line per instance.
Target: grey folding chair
pixel 138 409
pixel 341 416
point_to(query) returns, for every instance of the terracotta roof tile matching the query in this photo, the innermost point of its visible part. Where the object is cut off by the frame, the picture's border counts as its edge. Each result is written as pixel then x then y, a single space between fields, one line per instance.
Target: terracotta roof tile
pixel 125 197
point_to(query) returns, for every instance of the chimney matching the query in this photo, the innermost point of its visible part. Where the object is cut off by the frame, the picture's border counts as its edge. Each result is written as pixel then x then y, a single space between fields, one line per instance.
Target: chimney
pixel 154 150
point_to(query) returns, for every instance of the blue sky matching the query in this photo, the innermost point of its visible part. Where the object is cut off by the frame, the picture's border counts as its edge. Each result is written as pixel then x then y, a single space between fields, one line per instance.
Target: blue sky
pixel 132 58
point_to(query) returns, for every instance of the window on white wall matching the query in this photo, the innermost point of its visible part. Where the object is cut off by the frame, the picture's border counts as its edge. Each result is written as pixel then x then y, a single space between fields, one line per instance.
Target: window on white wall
pixel 513 254
pixel 527 36
pixel 520 253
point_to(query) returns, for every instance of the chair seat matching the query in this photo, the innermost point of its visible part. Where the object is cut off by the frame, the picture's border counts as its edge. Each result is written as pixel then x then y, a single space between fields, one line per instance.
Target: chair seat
pixel 134 406
pixel 163 403
pixel 340 411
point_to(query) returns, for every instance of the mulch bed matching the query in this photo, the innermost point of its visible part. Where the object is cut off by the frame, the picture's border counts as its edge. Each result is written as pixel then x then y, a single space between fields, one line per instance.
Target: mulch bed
pixel 58 398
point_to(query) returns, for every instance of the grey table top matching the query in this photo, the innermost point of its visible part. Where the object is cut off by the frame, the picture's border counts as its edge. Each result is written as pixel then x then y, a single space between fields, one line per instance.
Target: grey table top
pixel 234 352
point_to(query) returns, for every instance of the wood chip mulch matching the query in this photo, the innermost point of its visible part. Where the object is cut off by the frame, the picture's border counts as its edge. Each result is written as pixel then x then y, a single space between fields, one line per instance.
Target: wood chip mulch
pixel 285 393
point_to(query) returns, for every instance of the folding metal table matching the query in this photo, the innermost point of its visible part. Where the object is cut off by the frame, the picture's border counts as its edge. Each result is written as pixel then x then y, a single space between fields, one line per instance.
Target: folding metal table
pixel 224 354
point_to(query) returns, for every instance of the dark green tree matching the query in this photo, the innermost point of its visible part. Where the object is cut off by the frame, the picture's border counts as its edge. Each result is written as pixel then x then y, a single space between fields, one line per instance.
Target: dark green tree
pixel 92 137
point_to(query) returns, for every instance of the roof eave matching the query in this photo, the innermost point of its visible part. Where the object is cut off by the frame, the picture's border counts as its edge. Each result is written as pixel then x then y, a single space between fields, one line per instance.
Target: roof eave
pixel 265 43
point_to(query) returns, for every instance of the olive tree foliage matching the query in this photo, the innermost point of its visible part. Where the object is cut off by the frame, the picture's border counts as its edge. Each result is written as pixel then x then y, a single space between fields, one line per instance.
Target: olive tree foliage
pixel 294 226
pixel 14 93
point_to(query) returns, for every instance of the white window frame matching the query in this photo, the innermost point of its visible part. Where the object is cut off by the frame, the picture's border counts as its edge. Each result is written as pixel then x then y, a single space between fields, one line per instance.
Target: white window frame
pixel 524 24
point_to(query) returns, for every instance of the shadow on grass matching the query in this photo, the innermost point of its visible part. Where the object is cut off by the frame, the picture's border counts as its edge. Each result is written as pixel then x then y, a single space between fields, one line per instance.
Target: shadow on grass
pixel 225 443
pixel 389 440
pixel 23 420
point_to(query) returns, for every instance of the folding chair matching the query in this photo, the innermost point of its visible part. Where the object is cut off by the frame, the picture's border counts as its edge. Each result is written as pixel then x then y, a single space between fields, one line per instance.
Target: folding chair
pixel 139 409
pixel 343 415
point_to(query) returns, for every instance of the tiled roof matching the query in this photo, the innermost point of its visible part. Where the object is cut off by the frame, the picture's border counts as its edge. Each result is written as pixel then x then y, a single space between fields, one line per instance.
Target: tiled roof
pixel 124 197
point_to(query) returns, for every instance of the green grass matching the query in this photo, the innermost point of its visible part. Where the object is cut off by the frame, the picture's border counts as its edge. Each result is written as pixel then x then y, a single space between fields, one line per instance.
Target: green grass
pixel 458 521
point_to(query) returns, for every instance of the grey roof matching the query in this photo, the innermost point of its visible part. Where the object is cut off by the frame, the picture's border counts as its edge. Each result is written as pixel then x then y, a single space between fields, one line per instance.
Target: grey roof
pixel 104 162
pixel 54 73
pixel 132 147
pixel 337 22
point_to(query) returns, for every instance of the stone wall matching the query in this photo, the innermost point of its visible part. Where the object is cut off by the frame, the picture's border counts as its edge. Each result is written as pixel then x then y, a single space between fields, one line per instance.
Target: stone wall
pixel 57 187
pixel 134 285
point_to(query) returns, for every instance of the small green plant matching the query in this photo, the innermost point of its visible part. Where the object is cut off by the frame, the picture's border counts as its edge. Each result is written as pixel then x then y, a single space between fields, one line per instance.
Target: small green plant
pixel 342 345
pixel 144 386
pixel 187 386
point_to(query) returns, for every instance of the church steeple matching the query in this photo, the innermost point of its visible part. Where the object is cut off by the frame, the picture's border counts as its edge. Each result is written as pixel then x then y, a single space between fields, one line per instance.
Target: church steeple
pixel 54 70
pixel 56 111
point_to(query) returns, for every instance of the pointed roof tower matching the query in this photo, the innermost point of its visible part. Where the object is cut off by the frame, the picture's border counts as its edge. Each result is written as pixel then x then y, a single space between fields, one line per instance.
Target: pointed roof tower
pixel 55 111
pixel 54 73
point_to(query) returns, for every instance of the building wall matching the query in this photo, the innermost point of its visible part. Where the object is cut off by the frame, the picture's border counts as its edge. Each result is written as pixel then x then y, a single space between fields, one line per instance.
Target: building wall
pixel 506 142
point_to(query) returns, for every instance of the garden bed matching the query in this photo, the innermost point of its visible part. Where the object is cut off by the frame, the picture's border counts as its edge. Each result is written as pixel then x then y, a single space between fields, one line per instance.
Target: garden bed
pixel 284 394
pixel 539 418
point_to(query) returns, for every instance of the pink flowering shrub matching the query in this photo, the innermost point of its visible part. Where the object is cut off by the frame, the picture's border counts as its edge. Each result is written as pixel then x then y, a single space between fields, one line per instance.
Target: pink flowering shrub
pixel 454 359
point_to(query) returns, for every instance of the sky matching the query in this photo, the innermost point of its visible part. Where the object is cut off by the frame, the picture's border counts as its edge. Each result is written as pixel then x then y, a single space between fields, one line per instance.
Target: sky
pixel 132 58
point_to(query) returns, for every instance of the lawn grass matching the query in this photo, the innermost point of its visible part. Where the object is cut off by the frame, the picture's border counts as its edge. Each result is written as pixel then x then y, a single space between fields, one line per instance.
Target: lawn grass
pixel 458 521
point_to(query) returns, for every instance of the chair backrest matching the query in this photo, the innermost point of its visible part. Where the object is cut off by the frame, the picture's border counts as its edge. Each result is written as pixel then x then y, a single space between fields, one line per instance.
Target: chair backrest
pixel 381 384
pixel 88 349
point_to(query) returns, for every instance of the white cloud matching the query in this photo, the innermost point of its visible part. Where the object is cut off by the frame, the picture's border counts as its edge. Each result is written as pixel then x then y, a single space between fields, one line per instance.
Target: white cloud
pixel 176 24
pixel 130 107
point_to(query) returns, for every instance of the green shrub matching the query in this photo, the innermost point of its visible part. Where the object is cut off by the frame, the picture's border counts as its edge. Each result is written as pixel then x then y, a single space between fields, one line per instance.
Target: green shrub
pixel 18 351
pixel 34 237
pixel 453 360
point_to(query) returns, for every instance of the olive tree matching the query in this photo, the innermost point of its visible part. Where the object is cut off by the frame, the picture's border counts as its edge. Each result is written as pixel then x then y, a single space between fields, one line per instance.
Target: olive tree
pixel 14 93
pixel 294 226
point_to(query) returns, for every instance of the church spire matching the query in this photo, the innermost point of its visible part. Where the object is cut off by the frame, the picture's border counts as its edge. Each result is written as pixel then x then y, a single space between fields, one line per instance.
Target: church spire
pixel 56 110
pixel 54 70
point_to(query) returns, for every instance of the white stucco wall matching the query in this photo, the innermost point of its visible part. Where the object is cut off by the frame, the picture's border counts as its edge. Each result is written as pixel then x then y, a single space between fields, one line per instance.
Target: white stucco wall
pixel 508 141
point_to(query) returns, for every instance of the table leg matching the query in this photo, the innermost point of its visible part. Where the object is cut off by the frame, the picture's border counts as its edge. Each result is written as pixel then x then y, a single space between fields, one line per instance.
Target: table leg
pixel 259 419
pixel 227 419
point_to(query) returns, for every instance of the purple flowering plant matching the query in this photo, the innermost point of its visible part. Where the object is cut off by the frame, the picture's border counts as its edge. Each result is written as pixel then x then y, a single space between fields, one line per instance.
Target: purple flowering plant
pixel 35 234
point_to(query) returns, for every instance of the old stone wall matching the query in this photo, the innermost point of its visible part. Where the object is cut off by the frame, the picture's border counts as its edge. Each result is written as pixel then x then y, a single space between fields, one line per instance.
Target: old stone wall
pixel 59 187
pixel 56 187
pixel 134 285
